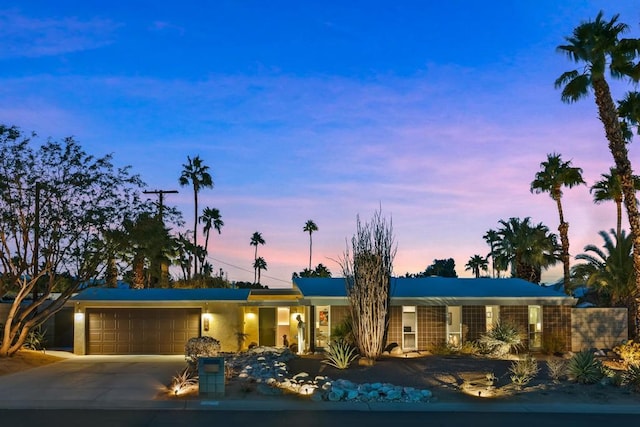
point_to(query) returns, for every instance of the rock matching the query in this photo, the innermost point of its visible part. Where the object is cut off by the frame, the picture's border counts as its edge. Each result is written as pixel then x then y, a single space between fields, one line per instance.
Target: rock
pixel 396 351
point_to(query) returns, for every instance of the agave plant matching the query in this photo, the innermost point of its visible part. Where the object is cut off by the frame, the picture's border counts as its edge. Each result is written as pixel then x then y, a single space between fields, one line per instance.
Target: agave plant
pixel 183 381
pixel 502 339
pixel 584 368
pixel 631 377
pixel 523 371
pixel 340 354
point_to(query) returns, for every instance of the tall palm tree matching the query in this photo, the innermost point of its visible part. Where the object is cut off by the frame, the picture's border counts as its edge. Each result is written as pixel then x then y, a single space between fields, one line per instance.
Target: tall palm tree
pixel 195 172
pixel 527 248
pixel 477 263
pixel 310 227
pixel 598 46
pixel 256 239
pixel 554 175
pixel 210 218
pixel 492 237
pixel 609 188
pixel 258 265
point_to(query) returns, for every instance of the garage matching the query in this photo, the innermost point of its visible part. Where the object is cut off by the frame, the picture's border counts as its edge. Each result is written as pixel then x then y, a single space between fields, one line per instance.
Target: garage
pixel 140 330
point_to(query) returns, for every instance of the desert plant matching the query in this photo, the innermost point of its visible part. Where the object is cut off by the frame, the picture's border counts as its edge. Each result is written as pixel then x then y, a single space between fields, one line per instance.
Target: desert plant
pixel 183 381
pixel 553 344
pixel 240 339
pixel 199 347
pixel 469 348
pixel 523 371
pixel 36 339
pixel 344 331
pixel 340 354
pixel 629 352
pixel 584 368
pixel 631 377
pixel 557 369
pixel 501 340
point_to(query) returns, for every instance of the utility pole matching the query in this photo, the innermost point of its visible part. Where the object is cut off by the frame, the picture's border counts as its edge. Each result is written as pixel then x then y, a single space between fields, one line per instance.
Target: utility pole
pixel 160 194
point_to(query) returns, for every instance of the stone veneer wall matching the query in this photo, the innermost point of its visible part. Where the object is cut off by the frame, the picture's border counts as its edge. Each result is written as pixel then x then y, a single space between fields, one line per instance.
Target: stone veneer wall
pixel 474 322
pixel 517 315
pixel 556 326
pixel 432 326
pixel 601 328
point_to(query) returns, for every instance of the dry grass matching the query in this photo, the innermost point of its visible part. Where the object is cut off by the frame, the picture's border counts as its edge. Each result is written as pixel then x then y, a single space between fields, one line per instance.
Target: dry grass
pixel 26 359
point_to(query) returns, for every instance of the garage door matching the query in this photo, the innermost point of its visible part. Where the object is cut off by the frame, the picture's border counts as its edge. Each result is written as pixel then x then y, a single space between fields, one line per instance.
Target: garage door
pixel 141 331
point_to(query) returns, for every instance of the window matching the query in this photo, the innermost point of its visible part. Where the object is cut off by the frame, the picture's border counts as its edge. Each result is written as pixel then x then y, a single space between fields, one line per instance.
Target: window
pixel 409 328
pixel 535 326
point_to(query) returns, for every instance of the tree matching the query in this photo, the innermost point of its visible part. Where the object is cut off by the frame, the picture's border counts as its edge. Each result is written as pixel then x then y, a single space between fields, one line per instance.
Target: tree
pixel 554 175
pixel 441 268
pixel 256 239
pixel 476 264
pixel 491 237
pixel 527 248
pixel 259 264
pixel 319 271
pixel 210 218
pixel 609 188
pixel 610 269
pixel 367 269
pixel 598 46
pixel 310 227
pixel 56 204
pixel 195 172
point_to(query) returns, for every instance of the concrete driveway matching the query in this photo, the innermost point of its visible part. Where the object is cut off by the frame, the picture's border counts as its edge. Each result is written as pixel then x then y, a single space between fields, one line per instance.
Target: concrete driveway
pixel 91 381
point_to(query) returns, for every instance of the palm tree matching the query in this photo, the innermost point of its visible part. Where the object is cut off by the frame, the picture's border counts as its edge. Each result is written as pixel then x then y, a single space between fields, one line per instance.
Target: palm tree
pixel 491 237
pixel 477 263
pixel 256 239
pixel 196 173
pixel 609 188
pixel 598 46
pixel 211 218
pixel 310 227
pixel 610 269
pixel 554 175
pixel 258 265
pixel 527 248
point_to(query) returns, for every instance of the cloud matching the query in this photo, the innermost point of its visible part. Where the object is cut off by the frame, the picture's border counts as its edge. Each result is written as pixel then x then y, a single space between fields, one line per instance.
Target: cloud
pixel 25 36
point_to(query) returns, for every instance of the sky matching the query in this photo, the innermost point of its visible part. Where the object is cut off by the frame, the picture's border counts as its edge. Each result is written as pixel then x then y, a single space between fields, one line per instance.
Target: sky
pixel 436 113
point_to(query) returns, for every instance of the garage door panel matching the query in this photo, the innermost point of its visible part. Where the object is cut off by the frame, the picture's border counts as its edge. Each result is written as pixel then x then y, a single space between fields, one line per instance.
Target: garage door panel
pixel 141 331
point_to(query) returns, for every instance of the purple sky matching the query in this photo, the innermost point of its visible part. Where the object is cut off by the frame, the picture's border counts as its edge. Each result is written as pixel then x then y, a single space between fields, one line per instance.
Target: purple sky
pixel 439 112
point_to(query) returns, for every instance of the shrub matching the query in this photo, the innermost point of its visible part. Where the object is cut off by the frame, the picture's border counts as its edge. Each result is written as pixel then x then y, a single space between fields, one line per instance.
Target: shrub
pixel 629 352
pixel 343 331
pixel 199 347
pixel 340 354
pixel 557 369
pixel 501 340
pixel 469 347
pixel 523 371
pixel 35 339
pixel 631 377
pixel 553 344
pixel 584 368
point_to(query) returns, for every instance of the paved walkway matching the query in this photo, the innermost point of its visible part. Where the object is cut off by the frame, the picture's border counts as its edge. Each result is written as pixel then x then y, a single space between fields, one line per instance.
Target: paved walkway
pixel 138 382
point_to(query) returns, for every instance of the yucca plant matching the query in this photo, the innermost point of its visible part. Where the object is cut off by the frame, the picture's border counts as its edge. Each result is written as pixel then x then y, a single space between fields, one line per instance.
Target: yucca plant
pixel 631 377
pixel 502 339
pixel 584 368
pixel 557 369
pixel 340 354
pixel 523 371
pixel 183 380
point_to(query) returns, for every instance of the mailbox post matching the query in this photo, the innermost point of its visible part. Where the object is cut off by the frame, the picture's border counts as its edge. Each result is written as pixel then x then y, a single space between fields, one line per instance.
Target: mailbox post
pixel 211 376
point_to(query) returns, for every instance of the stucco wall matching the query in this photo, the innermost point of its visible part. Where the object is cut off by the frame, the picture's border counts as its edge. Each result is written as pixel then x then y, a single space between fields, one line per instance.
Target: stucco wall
pixel 601 328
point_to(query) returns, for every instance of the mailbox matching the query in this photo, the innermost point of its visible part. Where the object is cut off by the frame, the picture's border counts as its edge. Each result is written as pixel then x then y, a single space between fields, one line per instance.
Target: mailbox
pixel 211 376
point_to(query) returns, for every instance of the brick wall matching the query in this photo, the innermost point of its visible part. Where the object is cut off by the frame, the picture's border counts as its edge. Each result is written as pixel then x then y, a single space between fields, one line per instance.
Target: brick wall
pixel 394 333
pixel 517 315
pixel 474 322
pixel 432 329
pixel 556 327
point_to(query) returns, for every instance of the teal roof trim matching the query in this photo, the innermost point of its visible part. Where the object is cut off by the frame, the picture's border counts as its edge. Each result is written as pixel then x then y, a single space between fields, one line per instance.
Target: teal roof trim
pixel 141 295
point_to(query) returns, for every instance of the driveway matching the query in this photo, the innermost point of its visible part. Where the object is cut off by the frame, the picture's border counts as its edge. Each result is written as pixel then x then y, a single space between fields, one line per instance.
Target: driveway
pixel 90 381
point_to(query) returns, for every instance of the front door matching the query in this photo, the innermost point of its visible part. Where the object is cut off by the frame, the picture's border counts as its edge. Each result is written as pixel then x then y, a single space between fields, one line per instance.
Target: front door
pixel 267 326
